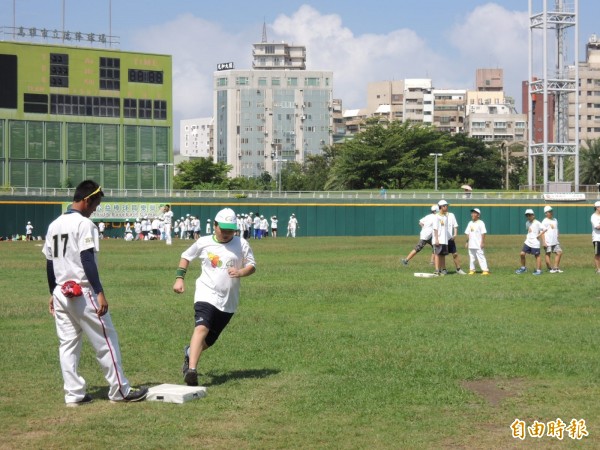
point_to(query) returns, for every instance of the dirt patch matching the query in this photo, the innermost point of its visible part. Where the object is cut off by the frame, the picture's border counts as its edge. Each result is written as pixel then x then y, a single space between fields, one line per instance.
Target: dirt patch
pixel 494 391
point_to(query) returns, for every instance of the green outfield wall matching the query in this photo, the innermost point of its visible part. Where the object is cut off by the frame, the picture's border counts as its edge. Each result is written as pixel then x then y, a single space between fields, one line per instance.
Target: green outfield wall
pixel 322 217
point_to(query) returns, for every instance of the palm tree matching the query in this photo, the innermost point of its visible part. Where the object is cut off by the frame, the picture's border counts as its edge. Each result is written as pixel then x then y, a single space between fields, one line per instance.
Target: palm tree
pixel 589 160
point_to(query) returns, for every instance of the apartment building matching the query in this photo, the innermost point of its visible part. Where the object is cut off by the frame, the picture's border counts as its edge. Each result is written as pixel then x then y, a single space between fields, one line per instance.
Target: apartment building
pixel 449 109
pixel 196 137
pixel 496 123
pixel 276 113
pixel 589 95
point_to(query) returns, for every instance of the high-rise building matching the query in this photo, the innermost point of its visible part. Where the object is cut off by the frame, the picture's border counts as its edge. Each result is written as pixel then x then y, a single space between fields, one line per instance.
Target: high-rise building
pixel 196 137
pixel 589 95
pixel 71 113
pixel 277 112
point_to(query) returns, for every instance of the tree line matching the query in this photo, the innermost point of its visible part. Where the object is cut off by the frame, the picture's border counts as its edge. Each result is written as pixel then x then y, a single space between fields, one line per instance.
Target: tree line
pixel 390 155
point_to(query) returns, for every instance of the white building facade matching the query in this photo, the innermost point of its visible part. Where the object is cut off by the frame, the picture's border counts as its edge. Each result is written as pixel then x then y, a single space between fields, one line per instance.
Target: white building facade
pixel 265 118
pixel 195 137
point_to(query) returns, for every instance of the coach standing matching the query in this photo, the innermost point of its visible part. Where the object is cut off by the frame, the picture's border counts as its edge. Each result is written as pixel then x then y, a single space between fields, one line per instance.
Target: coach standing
pixel 77 299
pixel 596 235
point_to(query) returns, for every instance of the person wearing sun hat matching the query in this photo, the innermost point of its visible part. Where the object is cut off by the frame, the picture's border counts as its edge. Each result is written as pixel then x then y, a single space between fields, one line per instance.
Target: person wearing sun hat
pixel 531 246
pixel 225 258
pixel 595 219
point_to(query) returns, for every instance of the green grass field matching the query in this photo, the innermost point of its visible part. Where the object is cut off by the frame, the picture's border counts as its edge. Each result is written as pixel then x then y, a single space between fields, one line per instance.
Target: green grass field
pixel 336 345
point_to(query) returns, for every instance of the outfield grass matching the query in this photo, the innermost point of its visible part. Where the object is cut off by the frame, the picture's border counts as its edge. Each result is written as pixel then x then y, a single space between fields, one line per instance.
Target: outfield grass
pixel 335 345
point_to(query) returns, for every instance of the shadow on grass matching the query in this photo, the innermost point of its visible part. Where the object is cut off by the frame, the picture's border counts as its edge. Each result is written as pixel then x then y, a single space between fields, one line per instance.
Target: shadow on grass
pixel 217 379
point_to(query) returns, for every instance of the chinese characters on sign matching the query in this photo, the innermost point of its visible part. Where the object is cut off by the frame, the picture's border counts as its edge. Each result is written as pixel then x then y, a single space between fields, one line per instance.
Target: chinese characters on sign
pixel 576 429
pixel 62 35
pixel 123 211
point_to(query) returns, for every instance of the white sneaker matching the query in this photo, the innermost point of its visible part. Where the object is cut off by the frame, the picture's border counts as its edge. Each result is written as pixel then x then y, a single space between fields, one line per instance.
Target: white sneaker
pixel 552 270
pixel 557 270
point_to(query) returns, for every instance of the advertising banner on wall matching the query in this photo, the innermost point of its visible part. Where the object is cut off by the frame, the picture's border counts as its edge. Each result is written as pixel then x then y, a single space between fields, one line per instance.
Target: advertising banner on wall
pixel 124 211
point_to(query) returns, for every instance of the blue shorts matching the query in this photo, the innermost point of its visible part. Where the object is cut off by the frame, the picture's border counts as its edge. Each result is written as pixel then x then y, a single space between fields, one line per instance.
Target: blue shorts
pixel 531 251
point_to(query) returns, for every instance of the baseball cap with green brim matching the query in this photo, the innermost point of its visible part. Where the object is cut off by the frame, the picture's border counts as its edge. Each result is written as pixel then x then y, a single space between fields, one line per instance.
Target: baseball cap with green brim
pixel 226 219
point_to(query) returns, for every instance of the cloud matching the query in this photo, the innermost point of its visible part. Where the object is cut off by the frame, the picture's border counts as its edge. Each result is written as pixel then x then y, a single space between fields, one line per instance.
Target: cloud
pixel 197 46
pixel 355 60
pixel 490 36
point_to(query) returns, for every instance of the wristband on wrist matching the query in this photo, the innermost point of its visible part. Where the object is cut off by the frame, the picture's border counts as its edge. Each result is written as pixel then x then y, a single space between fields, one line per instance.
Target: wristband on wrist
pixel 180 273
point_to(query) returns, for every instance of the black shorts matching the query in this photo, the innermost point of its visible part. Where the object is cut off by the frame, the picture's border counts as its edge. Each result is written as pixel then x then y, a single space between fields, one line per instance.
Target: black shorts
pixel 213 319
pixel 440 249
pixel 451 246
pixel 596 248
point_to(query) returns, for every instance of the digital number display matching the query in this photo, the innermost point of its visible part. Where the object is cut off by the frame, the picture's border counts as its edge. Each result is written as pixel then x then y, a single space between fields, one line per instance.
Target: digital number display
pixel 145 76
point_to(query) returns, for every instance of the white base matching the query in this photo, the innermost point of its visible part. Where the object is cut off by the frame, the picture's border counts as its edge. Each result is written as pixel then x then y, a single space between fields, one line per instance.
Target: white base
pixel 424 275
pixel 175 393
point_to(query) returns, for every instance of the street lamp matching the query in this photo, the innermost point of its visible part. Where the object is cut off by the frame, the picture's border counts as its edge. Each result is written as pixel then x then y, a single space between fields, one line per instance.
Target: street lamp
pixel 435 155
pixel 165 165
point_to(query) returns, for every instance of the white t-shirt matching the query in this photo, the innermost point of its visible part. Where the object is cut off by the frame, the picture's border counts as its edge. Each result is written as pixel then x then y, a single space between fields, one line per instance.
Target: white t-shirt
pixel 452 224
pixel 67 237
pixel 440 226
pixel 475 230
pixel 595 219
pixel 273 224
pixel 534 228
pixel 214 285
pixel 551 234
pixel 427 227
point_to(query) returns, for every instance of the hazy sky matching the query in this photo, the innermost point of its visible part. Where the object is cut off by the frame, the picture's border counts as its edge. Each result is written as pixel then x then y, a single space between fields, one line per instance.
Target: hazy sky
pixel 359 41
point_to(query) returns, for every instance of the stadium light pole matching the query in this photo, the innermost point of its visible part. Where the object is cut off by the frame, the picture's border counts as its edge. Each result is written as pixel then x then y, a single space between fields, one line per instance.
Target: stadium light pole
pixel 165 165
pixel 435 156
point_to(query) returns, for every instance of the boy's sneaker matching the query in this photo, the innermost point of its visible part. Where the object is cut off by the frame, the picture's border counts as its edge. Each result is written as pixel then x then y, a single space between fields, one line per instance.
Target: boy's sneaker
pixel 471 272
pixel 87 398
pixel 557 270
pixel 191 377
pixel 461 272
pixel 134 395
pixel 186 359
pixel 521 270
pixel 404 261
pixel 485 273
pixel 552 270
pixel 537 272
pixel 444 272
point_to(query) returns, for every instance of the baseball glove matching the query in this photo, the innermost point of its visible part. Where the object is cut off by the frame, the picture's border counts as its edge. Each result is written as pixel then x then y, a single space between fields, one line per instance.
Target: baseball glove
pixel 71 289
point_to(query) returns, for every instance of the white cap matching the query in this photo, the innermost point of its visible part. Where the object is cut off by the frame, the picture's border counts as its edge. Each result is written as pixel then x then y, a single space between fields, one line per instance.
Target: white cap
pixel 442 203
pixel 547 208
pixel 28 223
pixel 529 211
pixel 476 210
pixel 597 204
pixel 435 208
pixel 226 219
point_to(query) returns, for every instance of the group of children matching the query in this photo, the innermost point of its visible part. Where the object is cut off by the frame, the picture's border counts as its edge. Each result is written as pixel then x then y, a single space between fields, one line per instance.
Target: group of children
pixel 440 228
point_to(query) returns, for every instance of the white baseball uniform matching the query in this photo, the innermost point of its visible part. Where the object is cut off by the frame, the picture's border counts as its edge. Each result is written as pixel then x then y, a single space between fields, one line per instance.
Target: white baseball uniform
pixel 67 237
pixel 167 221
